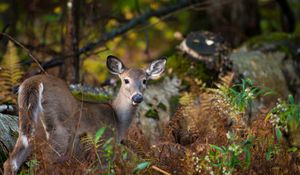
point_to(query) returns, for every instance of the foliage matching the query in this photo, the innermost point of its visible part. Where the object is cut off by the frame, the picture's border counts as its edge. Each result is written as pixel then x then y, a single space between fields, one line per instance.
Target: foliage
pixel 285 112
pixel 31 167
pixel 197 140
pixel 242 95
pixel 10 74
pixel 204 116
pixel 285 116
pixel 152 113
pixel 141 166
pixel 96 142
pixel 226 160
pixel 236 99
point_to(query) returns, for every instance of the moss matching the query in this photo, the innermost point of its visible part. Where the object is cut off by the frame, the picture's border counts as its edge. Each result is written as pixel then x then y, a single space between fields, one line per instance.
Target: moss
pixel 184 67
pixel 162 106
pixel 152 113
pixel 174 103
pixel 91 97
pixel 282 41
pixel 273 37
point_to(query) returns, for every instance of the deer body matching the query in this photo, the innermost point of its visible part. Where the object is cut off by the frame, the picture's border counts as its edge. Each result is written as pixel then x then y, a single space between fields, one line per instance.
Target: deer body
pixel 48 110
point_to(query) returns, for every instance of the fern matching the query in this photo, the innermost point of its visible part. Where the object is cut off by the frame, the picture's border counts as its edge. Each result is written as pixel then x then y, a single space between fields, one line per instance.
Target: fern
pixel 94 142
pixel 10 74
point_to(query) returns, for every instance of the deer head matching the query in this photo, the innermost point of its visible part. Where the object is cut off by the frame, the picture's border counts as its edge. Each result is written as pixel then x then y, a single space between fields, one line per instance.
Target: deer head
pixel 134 80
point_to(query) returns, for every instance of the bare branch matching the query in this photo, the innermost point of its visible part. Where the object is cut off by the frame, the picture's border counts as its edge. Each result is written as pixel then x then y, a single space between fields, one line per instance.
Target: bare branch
pixel 23 47
pixel 136 21
pixel 126 27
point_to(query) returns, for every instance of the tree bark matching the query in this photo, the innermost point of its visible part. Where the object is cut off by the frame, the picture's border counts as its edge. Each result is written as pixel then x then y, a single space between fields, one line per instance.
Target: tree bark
pixel 70 72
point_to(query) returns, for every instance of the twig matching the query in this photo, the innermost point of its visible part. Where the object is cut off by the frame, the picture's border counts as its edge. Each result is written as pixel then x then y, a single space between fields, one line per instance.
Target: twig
pixel 163 13
pixel 160 170
pixel 4 30
pixel 23 47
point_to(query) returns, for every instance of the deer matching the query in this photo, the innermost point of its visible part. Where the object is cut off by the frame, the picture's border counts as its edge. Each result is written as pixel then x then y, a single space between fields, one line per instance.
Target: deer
pixel 47 109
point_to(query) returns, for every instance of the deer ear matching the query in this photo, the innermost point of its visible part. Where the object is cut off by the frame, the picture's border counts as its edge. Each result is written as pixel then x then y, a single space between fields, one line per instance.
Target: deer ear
pixel 114 65
pixel 156 68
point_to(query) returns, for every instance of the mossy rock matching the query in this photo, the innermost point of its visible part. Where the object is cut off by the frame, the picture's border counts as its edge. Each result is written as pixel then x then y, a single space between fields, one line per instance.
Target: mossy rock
pixel 91 97
pixel 152 113
pixel 86 93
pixel 285 42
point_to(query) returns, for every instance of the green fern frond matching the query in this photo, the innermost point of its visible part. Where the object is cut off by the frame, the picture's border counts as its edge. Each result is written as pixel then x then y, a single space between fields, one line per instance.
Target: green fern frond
pixel 10 74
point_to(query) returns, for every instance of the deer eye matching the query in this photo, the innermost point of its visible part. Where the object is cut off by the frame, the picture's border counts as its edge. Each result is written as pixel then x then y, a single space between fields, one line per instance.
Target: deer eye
pixel 126 81
pixel 144 81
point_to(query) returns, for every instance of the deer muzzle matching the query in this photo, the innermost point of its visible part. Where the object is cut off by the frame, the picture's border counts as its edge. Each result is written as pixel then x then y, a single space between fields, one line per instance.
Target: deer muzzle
pixel 136 99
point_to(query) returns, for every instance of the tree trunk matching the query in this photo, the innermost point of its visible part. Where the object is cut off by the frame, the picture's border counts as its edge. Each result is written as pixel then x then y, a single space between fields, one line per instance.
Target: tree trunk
pixel 70 70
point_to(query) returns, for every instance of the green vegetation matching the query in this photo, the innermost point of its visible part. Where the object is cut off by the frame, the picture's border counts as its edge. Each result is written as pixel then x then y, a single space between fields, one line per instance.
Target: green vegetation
pixel 91 97
pixel 226 160
pixel 280 41
pixel 187 68
pixel 285 117
pixel 220 122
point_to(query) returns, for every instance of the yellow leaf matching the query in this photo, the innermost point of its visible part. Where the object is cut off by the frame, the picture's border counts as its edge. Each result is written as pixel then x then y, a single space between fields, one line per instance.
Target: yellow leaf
pixel 57 10
pixel 3 7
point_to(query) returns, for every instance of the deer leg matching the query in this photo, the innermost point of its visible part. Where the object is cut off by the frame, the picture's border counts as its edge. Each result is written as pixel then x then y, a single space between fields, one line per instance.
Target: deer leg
pixel 19 154
pixel 30 107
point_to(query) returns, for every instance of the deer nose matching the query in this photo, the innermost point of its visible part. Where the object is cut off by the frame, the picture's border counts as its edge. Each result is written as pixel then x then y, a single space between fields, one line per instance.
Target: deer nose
pixel 137 98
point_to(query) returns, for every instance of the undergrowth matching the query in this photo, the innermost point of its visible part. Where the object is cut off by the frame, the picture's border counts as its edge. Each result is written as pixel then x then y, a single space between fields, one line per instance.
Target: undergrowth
pixel 210 133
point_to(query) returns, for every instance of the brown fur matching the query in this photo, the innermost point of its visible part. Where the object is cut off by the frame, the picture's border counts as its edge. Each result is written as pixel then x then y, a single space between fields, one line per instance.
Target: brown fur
pixel 66 119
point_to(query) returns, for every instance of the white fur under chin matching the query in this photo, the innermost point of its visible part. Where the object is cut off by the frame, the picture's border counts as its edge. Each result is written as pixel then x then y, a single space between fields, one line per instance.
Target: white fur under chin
pixel 134 103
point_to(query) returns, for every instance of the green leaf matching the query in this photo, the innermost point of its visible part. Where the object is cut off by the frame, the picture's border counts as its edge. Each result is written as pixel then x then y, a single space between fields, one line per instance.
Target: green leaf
pixel 107 142
pixel 125 155
pixel 269 153
pixel 218 148
pixel 248 157
pixel 3 7
pixel 141 166
pixel 292 149
pixel 291 99
pixel 278 133
pixel 99 134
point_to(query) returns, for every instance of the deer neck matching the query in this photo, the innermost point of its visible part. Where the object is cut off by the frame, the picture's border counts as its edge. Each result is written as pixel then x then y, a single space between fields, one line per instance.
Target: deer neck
pixel 125 111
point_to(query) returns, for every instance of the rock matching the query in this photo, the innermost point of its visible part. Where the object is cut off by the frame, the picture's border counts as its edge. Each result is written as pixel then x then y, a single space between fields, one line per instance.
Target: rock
pixel 8 136
pixel 157 101
pixel 265 69
pixel 270 61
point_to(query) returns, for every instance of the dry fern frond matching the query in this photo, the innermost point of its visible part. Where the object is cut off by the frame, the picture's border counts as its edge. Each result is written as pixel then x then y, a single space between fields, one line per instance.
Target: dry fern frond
pixel 227 79
pixel 173 158
pixel 182 128
pixel 10 74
